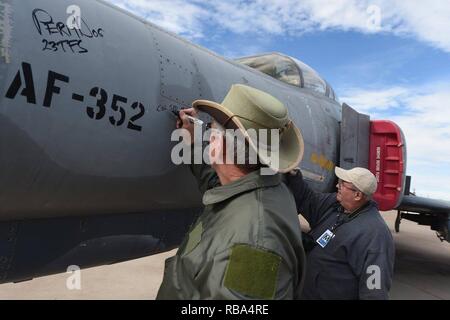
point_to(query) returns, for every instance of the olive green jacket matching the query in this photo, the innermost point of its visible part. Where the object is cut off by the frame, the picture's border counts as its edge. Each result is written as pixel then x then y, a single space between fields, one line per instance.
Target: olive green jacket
pixel 246 244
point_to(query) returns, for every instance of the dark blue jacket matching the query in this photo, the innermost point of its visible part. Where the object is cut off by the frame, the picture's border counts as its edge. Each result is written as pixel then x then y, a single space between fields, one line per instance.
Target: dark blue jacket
pixel 358 262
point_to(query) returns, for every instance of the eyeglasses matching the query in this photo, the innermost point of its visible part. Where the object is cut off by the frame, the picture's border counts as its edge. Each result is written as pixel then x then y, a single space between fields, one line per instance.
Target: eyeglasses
pixel 342 183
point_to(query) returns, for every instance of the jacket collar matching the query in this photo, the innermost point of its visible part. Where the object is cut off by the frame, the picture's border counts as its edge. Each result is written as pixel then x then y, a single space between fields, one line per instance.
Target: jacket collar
pixel 364 208
pixel 249 182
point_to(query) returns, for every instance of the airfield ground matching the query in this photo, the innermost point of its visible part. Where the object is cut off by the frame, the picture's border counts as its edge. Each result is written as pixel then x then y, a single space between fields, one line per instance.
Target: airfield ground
pixel 422 271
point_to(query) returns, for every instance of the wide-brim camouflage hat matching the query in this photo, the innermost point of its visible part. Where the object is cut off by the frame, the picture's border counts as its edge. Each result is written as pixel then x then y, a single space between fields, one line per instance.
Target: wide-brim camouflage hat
pixel 246 108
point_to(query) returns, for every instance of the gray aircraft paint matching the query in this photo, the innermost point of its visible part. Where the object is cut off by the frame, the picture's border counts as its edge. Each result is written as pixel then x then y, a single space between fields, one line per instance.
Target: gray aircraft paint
pixel 67 164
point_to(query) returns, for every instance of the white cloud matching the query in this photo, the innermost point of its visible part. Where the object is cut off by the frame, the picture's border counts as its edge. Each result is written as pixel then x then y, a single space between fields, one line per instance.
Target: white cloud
pixel 375 100
pixel 425 121
pixel 178 16
pixel 428 21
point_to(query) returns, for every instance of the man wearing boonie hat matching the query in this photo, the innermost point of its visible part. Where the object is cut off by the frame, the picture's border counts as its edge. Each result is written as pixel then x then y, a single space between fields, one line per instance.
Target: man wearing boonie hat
pixel 247 242
pixel 349 250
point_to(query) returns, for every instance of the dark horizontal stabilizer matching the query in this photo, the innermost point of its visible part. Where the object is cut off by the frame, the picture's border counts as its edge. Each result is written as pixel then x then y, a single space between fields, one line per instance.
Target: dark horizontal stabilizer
pixel 424 205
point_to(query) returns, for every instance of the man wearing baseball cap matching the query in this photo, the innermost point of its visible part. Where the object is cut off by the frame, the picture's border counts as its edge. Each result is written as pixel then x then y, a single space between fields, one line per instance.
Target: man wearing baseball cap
pixel 350 250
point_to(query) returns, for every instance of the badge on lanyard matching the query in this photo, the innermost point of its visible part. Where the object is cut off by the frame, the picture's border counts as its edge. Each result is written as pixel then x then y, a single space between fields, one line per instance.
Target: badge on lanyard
pixel 325 238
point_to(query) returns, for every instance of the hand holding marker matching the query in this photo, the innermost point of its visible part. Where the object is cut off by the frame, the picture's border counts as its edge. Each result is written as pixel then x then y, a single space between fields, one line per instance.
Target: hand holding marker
pixel 191 119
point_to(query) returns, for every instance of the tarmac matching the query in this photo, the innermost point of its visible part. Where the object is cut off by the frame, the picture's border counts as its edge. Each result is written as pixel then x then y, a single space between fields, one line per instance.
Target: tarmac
pixel 422 272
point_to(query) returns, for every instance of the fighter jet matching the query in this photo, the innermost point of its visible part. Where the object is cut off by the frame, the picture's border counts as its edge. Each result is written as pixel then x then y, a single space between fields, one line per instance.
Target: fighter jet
pixel 87 92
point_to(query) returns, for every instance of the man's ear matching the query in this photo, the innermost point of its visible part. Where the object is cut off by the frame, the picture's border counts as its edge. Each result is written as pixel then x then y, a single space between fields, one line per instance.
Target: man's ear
pixel 359 196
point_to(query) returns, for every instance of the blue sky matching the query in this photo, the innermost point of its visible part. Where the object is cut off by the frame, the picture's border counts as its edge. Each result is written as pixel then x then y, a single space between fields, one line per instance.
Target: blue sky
pixel 387 58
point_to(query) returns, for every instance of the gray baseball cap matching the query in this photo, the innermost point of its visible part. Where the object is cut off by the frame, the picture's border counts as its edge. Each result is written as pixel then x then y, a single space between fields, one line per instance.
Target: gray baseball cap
pixel 361 178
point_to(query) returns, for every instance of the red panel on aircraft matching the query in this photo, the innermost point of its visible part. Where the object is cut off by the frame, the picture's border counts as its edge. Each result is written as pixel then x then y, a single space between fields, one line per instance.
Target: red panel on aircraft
pixel 387 161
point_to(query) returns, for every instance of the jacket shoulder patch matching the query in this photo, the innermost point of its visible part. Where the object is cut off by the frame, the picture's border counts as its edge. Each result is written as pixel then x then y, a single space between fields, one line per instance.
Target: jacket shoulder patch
pixel 252 271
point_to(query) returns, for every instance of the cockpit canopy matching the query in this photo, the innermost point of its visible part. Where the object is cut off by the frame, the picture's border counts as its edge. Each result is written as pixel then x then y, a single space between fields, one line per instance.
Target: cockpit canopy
pixel 290 71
